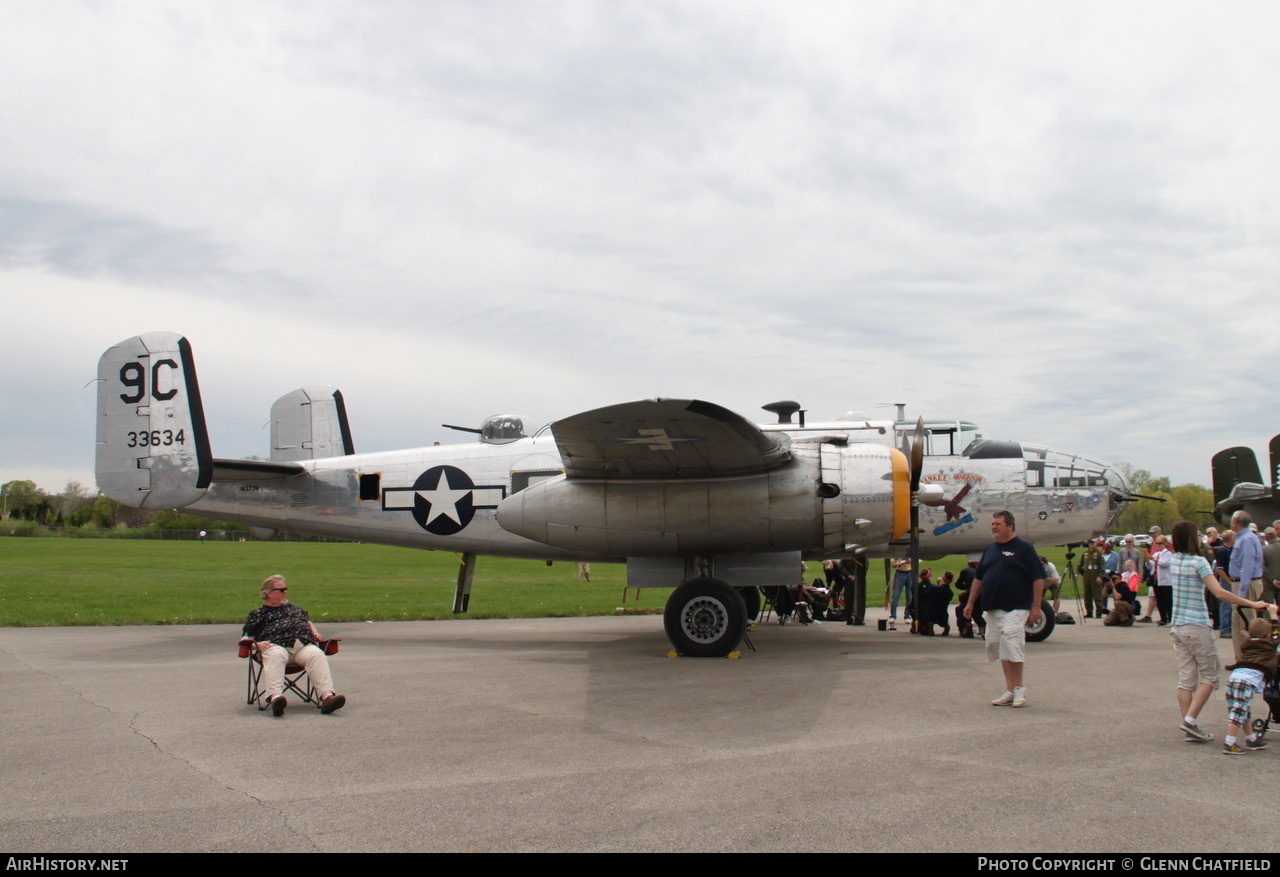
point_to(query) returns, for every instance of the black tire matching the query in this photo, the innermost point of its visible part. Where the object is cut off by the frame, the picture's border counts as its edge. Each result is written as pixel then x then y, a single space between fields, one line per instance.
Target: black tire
pixel 1039 632
pixel 705 618
pixel 1259 727
pixel 751 599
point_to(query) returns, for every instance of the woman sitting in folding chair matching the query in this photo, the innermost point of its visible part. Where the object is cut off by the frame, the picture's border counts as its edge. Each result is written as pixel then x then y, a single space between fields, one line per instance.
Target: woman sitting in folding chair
pixel 283 634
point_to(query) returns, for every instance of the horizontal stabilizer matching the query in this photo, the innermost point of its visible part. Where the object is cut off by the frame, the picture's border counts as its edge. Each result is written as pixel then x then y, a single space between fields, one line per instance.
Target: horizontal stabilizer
pixel 152 447
pixel 665 438
pixel 254 470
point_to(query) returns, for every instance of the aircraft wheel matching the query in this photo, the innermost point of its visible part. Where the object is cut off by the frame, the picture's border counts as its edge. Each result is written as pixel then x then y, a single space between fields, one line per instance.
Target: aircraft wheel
pixel 705 618
pixel 751 598
pixel 1039 632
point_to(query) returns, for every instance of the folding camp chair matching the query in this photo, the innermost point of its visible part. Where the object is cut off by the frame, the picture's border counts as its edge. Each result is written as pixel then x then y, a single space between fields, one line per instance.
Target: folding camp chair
pixel 295 677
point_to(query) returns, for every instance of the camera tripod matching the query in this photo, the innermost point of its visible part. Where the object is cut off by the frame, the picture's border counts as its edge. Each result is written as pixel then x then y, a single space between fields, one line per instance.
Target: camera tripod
pixel 1071 574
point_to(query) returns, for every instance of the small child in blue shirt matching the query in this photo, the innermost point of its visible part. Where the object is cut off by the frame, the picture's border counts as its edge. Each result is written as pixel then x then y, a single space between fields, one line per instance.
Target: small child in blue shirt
pixel 1255 665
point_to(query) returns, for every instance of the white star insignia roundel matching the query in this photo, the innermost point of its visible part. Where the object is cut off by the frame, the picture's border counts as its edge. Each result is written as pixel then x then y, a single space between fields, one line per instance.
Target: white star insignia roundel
pixel 443 499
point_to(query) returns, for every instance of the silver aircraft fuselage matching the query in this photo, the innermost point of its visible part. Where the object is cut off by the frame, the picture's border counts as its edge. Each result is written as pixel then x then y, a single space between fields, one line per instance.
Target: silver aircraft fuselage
pixel 446 497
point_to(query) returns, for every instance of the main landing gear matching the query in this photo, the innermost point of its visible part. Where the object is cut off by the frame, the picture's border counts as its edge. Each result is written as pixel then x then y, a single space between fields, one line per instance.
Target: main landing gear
pixel 705 618
pixel 1040 631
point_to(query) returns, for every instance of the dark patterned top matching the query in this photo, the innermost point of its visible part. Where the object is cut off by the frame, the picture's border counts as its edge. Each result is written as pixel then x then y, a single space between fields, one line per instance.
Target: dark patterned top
pixel 279 624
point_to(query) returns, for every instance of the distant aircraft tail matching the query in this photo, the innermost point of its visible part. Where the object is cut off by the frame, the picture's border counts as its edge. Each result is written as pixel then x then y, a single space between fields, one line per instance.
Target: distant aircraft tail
pixel 1231 467
pixel 1274 449
pixel 152 446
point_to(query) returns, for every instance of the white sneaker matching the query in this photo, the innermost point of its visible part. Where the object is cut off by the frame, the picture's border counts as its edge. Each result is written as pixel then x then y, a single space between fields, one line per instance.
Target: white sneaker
pixel 1019 697
pixel 1005 699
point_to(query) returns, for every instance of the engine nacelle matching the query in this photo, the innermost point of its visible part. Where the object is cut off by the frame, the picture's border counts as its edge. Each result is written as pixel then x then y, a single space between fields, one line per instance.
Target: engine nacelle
pixel 827 498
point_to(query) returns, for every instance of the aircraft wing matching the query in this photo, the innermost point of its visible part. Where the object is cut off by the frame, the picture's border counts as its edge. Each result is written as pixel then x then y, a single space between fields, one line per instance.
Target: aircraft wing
pixel 254 470
pixel 665 438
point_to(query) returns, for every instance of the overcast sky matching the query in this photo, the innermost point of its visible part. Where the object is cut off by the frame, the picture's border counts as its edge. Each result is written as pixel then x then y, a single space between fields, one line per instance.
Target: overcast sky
pixel 1058 220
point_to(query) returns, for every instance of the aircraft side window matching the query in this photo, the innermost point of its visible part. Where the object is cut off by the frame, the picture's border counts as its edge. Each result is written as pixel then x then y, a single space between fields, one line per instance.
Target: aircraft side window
pixel 529 477
pixel 371 486
pixel 1035 474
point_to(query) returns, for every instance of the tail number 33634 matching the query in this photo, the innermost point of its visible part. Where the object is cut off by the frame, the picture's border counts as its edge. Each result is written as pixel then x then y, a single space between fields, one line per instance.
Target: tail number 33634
pixel 157 438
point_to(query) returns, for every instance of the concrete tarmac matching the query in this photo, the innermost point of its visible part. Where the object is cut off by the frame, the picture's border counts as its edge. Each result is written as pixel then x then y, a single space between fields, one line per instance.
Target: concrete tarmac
pixel 578 734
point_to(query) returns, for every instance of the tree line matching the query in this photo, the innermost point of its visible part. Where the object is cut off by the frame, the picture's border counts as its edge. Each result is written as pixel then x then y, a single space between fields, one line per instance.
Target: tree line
pixel 78 507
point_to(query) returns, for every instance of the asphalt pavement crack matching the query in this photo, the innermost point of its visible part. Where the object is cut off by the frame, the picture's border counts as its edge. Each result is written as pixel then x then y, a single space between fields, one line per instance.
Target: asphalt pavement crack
pixel 132 725
pixel 284 817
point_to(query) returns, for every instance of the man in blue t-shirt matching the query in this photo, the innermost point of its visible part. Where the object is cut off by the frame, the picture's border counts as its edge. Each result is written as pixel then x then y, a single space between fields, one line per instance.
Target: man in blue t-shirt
pixel 1009 583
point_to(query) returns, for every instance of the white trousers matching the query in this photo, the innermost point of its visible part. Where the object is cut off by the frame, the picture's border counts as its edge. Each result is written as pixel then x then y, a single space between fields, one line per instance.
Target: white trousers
pixel 309 657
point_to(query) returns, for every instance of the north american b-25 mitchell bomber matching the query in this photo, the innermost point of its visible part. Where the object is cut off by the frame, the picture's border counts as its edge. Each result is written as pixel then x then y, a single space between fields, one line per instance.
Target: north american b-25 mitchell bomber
pixel 688 494
pixel 1238 485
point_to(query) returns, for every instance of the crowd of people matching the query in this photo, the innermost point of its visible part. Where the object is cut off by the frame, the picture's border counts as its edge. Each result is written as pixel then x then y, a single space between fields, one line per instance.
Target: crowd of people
pixel 1194 585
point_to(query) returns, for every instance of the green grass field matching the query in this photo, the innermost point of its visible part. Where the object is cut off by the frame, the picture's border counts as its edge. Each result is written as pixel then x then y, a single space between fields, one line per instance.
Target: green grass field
pixel 52 582
pixel 108 581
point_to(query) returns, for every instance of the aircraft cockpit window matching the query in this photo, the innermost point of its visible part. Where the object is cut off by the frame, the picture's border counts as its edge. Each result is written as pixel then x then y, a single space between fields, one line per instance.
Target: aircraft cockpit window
pixel 1077 477
pixel 1038 459
pixel 943 438
pixel 940 441
pixel 992 449
pixel 970 437
pixel 1049 468
pixel 502 428
pixel 953 439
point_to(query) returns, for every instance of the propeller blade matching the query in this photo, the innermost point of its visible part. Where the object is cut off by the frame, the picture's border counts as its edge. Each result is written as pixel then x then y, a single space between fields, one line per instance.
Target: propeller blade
pixel 917 467
pixel 917 455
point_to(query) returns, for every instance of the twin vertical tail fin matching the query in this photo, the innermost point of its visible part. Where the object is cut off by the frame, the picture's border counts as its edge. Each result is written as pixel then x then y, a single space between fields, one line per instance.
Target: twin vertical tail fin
pixel 310 423
pixel 152 446
pixel 1231 467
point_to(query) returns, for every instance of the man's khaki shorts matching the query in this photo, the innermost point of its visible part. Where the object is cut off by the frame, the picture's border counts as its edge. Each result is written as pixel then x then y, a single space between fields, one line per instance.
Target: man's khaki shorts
pixel 1007 635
